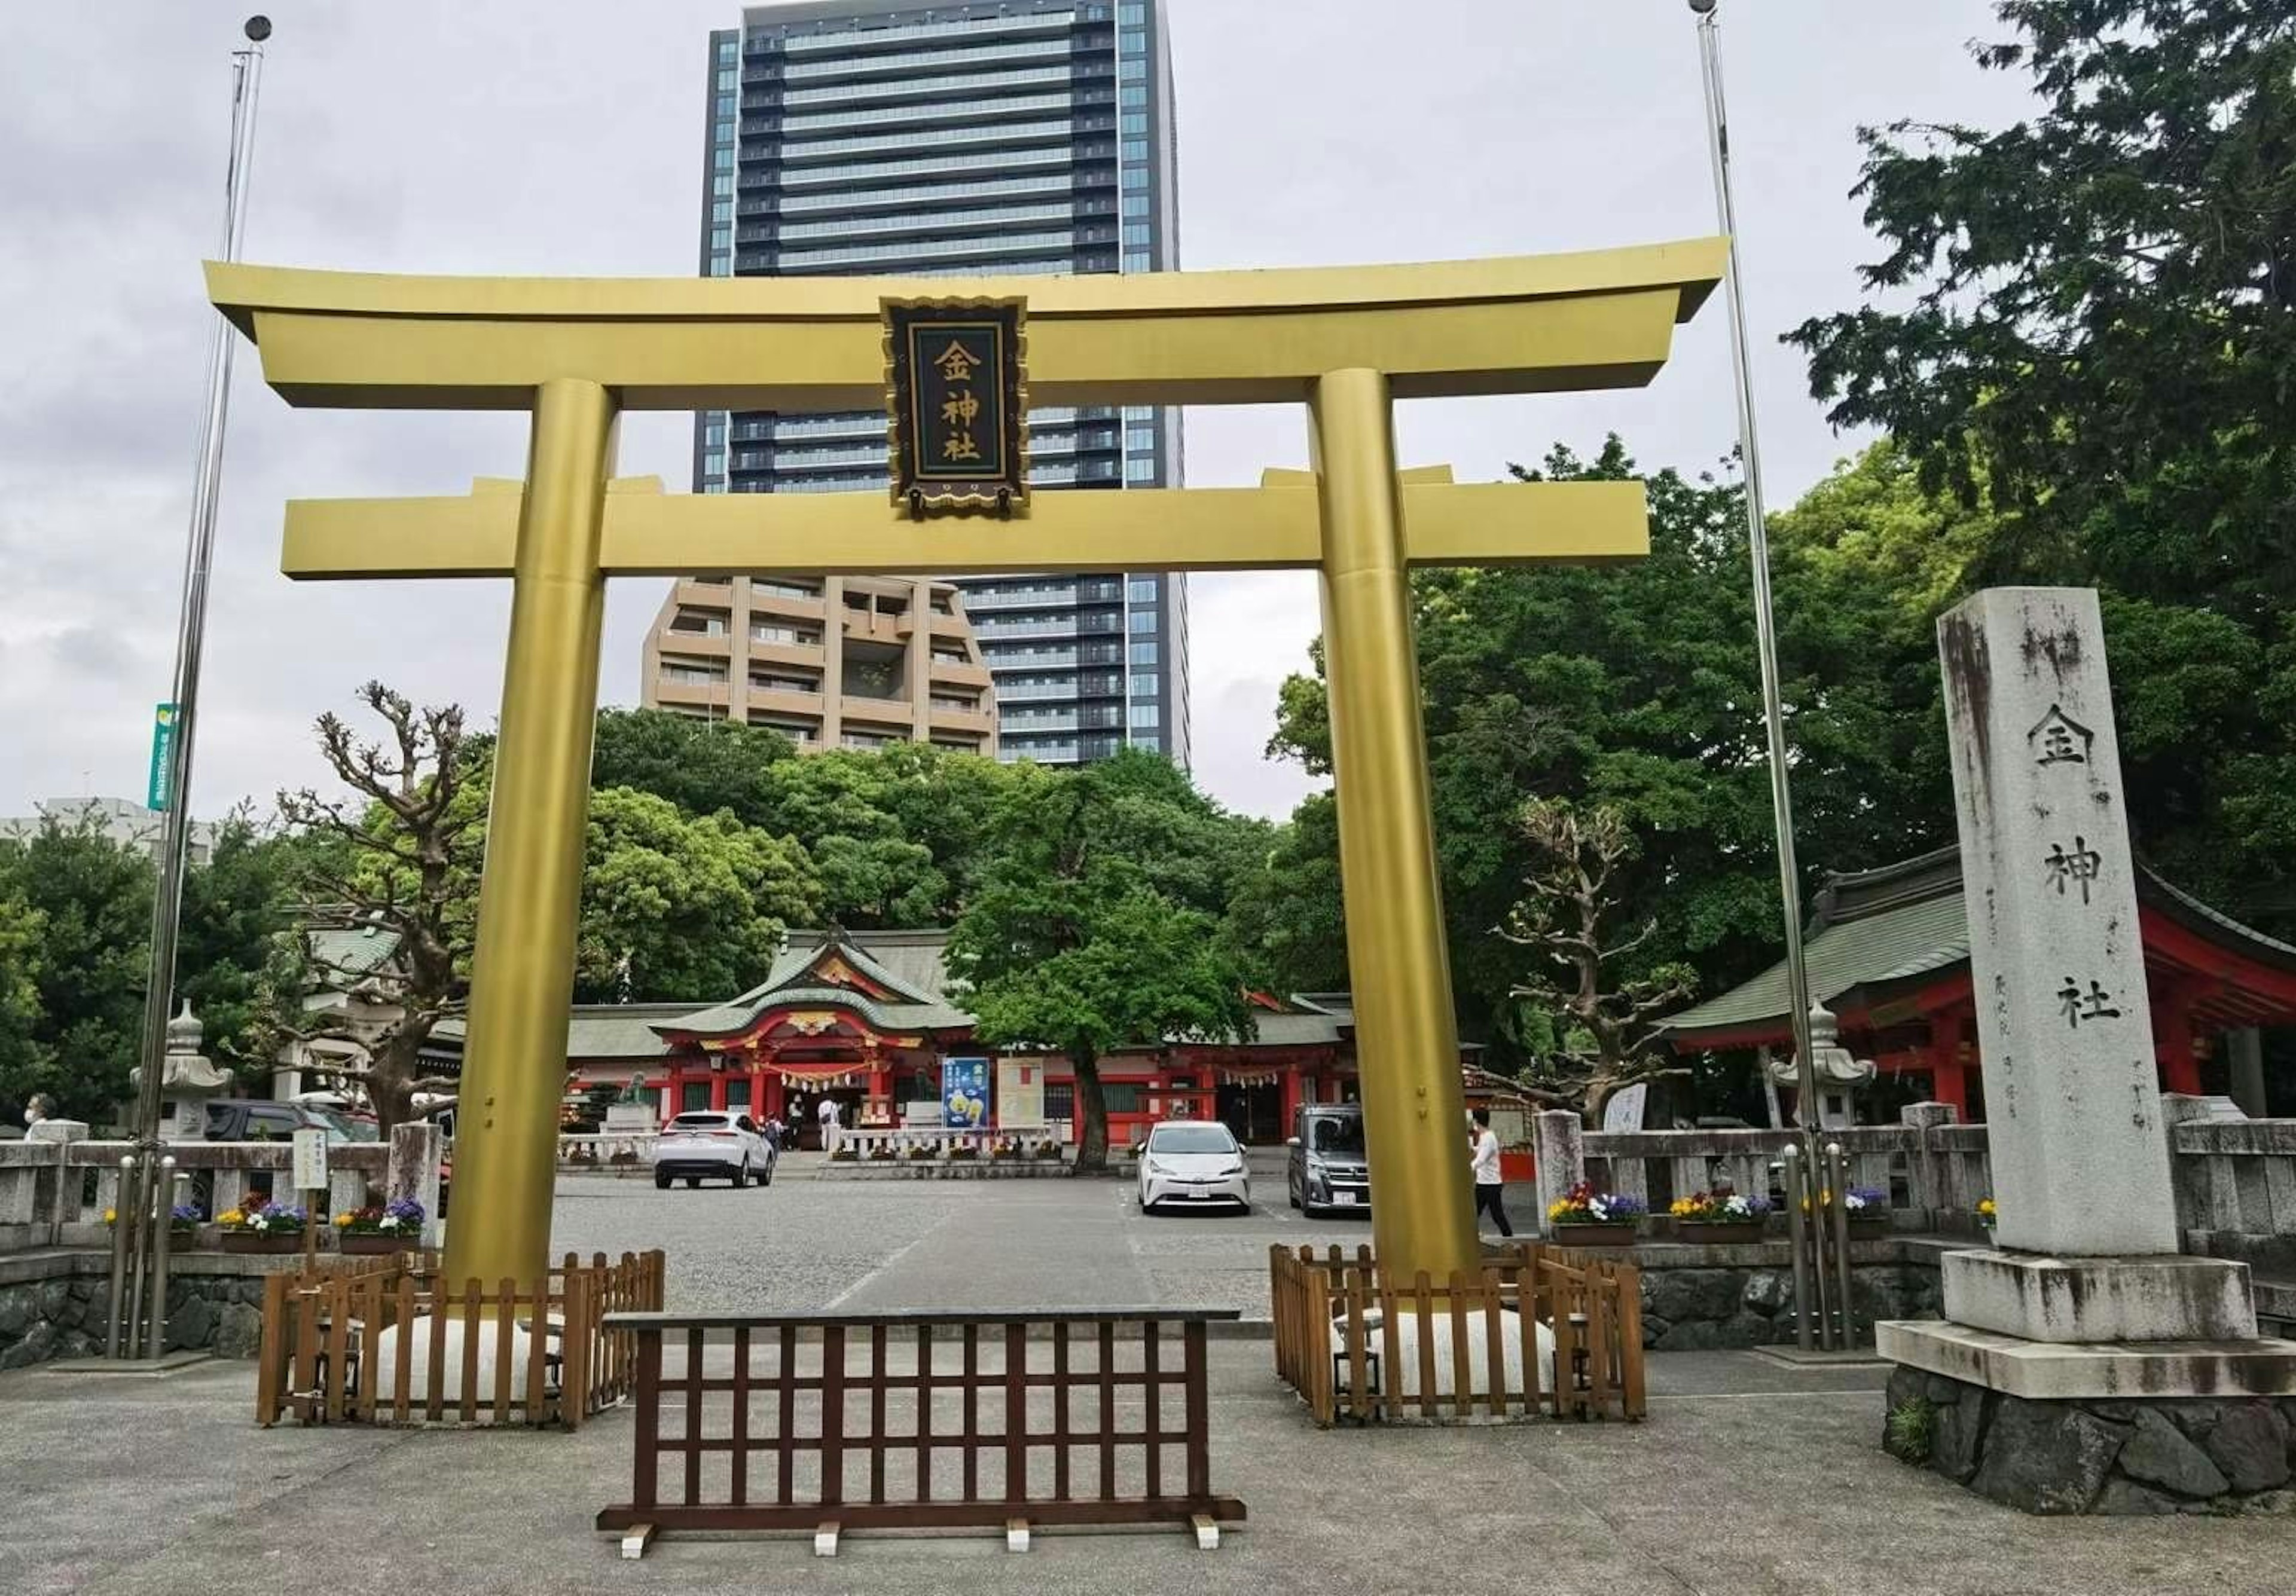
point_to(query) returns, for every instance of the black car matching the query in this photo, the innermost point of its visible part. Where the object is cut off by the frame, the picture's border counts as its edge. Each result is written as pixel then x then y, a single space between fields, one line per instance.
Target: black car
pixel 259 1119
pixel 1328 1172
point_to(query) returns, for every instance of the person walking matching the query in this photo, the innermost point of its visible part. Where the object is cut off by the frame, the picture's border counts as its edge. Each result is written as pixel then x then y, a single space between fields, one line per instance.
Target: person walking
pixel 1489 1190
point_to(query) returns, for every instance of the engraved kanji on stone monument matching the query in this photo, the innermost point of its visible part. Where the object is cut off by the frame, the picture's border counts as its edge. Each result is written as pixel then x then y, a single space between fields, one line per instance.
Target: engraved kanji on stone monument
pixel 2081 1162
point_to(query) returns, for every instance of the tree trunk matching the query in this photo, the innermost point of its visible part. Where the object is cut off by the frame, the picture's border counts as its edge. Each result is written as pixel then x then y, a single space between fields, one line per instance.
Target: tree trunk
pixel 1091 1105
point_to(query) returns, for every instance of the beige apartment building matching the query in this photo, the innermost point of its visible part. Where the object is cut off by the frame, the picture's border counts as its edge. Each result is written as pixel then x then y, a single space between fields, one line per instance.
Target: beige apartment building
pixel 829 662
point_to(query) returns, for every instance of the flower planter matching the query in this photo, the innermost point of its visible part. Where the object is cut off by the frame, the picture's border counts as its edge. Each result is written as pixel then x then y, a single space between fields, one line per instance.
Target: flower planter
pixel 1606 1233
pixel 245 1241
pixel 370 1244
pixel 1707 1233
pixel 1869 1227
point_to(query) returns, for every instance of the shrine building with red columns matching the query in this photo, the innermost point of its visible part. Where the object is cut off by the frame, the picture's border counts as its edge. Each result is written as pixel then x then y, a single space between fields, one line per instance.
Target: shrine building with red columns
pixel 1887 952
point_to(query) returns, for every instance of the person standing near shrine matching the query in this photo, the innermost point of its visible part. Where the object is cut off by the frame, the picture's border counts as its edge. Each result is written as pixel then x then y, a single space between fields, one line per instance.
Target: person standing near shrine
pixel 828 1123
pixel 1484 1163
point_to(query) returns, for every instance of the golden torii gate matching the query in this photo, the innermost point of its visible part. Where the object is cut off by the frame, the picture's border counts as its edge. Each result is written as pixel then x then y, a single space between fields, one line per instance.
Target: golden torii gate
pixel 1346 340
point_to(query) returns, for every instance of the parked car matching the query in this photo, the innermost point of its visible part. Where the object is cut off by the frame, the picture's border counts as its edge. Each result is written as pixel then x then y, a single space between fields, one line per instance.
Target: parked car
pixel 1326 1168
pixel 1193 1162
pixel 713 1145
pixel 259 1119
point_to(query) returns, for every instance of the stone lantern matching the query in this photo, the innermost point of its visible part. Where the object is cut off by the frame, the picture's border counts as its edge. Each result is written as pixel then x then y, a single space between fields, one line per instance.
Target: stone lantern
pixel 1839 1075
pixel 187 1081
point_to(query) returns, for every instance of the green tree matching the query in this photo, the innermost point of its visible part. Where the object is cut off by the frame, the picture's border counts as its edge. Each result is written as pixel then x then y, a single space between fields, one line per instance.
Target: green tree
pixel 679 905
pixel 701 765
pixel 26 1063
pixel 82 904
pixel 235 906
pixel 1073 945
pixel 2083 323
pixel 1636 687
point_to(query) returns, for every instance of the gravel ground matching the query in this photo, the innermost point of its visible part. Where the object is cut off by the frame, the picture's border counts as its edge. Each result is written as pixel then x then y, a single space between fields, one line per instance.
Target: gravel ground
pixel 806 1242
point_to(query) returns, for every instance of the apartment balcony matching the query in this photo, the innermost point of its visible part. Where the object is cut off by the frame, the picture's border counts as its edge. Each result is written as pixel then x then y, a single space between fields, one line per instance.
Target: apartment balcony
pixel 691 695
pixel 762 652
pixel 694 645
pixel 864 625
pixel 963 673
pixel 704 595
pixel 898 713
pixel 978 723
pixel 784 604
pixel 786 700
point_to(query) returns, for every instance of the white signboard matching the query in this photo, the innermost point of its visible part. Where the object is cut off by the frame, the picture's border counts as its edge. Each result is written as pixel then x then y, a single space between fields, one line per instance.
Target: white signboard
pixel 310 1160
pixel 1622 1111
pixel 1019 1092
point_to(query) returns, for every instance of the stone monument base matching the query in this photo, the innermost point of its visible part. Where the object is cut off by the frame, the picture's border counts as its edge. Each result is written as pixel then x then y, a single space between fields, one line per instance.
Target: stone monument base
pixel 2159 1297
pixel 623 1119
pixel 2122 1428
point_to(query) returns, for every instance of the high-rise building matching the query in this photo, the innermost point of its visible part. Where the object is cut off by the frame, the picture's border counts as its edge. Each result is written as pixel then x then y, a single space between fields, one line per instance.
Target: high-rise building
pixel 831 662
pixel 1003 136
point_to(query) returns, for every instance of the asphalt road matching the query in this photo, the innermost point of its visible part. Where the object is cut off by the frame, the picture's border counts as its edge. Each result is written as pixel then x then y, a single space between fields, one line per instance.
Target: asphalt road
pixel 811 1243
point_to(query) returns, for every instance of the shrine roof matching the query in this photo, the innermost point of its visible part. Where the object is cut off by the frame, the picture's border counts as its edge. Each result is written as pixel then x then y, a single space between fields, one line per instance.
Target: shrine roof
pixel 598 1030
pixel 907 964
pixel 1873 932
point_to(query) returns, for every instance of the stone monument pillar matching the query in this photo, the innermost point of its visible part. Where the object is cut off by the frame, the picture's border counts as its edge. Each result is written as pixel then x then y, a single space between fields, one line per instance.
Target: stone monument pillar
pixel 2084 1299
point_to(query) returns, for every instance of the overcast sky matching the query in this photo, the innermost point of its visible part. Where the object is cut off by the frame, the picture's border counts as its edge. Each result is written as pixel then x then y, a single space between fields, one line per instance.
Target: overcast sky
pixel 497 135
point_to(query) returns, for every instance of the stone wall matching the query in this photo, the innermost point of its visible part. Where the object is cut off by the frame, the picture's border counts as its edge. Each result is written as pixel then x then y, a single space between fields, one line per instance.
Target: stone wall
pixel 2228 1455
pixel 53 1306
pixel 1701 1306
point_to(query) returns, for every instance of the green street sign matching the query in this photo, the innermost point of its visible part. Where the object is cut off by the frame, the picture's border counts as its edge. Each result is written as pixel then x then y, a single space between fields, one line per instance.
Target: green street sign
pixel 163 747
pixel 957 381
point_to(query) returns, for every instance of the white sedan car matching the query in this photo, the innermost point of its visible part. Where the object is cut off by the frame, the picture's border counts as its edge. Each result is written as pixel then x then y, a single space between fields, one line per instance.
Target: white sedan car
pixel 717 1145
pixel 1190 1163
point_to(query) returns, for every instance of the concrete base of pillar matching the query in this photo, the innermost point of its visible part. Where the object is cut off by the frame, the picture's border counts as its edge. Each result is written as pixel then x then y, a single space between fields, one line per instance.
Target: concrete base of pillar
pixel 2016 1366
pixel 2152 1298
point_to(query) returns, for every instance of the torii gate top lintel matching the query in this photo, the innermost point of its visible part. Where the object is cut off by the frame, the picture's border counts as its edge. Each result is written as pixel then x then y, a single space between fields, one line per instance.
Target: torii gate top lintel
pixel 1517 324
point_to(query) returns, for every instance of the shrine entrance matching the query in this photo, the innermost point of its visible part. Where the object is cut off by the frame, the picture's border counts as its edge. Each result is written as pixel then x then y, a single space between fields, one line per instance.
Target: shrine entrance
pixel 1343 342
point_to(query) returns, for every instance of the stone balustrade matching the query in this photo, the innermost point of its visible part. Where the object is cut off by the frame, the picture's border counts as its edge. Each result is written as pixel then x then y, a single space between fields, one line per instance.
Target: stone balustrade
pixel 54 1194
pixel 1933 1169
pixel 606 1149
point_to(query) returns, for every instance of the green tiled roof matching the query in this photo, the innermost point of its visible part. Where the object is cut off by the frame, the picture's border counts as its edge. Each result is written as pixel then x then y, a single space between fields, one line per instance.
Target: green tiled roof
pixel 1878 928
pixel 599 1030
pixel 345 953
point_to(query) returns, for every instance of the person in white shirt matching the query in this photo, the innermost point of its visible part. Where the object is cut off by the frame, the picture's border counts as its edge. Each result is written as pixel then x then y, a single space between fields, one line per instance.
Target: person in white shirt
pixel 1485 1164
pixel 828 1124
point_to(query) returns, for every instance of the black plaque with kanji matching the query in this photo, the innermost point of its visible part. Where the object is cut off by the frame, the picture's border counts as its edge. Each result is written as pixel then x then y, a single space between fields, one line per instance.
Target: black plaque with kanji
pixel 957 389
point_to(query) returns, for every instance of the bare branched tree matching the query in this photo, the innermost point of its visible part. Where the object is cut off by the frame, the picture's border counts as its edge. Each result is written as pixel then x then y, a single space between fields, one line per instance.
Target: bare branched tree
pixel 407 844
pixel 1602 1020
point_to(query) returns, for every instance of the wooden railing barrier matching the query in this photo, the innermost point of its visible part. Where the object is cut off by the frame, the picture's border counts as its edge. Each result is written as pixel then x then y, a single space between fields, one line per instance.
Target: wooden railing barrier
pixel 387 1341
pixel 1341 1333
pixel 929 1420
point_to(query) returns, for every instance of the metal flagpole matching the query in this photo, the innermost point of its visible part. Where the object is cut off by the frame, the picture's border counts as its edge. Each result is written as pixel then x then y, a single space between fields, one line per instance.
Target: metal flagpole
pixel 1717 128
pixel 191 628
pixel 1817 1184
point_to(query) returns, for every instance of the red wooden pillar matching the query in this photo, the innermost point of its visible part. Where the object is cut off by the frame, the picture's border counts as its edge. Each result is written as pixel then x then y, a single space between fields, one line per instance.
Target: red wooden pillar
pixel 718 1090
pixel 1948 1079
pixel 2172 1038
pixel 777 1093
pixel 1293 1069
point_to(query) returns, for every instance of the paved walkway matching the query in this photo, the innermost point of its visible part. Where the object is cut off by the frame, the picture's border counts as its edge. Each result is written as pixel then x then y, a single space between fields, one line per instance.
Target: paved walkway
pixel 1747 1479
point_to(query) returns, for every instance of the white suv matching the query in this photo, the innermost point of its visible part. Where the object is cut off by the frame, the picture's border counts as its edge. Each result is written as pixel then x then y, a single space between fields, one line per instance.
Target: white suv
pixel 714 1145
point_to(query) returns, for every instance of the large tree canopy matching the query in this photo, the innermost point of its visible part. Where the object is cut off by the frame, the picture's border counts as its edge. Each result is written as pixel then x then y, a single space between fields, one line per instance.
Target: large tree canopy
pixel 2086 321
pixel 1635 687
pixel 1095 926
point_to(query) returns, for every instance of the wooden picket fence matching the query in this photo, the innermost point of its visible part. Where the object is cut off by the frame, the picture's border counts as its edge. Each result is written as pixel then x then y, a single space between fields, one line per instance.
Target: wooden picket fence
pixel 324 1335
pixel 1339 1342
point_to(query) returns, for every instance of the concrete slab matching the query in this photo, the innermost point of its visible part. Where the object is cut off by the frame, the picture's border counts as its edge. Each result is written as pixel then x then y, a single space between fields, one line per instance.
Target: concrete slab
pixel 2042 1297
pixel 2059 1370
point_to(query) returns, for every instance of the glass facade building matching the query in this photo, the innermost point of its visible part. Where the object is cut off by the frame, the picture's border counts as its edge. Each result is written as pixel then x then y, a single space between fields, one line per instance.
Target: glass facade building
pixel 1007 136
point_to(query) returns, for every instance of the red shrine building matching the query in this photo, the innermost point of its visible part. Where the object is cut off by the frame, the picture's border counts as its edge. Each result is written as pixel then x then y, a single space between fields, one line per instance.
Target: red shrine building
pixel 1887 952
pixel 864 1018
